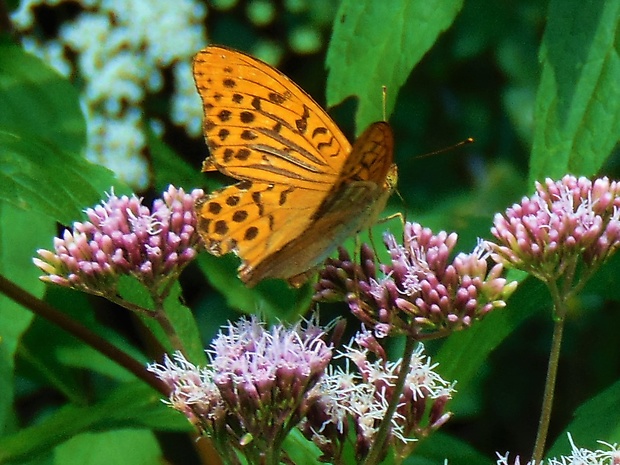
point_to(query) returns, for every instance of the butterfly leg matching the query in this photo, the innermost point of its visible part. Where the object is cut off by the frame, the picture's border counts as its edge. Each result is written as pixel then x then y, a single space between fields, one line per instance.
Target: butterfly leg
pixel 398 215
pixel 372 240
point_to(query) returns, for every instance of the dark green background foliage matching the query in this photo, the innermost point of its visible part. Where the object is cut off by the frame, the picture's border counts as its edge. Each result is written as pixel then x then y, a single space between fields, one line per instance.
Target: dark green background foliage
pixel 536 84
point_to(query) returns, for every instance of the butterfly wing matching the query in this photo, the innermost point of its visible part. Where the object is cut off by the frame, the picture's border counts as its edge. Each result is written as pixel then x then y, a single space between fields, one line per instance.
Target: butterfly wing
pixel 353 204
pixel 354 208
pixel 263 129
pixel 303 188
pixel 261 126
pixel 253 219
pixel 370 160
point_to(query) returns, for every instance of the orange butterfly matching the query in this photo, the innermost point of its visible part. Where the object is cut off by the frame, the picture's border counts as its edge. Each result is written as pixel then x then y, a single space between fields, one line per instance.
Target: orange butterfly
pixel 303 189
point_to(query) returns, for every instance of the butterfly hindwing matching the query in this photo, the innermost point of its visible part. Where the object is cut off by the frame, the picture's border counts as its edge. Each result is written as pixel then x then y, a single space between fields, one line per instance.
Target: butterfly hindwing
pixel 252 219
pixel 371 155
pixel 352 208
pixel 370 160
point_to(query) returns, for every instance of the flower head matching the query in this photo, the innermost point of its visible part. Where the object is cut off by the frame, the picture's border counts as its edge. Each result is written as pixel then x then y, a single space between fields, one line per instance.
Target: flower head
pixel 563 222
pixel 421 291
pixel 257 386
pixel 124 237
pixel 193 393
pixel 360 398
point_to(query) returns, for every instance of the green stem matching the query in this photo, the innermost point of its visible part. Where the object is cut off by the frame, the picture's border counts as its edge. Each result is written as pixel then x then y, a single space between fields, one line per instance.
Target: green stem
pixel 378 445
pixel 552 371
pixel 137 309
pixel 158 314
pixel 161 317
pixel 81 332
pixel 272 456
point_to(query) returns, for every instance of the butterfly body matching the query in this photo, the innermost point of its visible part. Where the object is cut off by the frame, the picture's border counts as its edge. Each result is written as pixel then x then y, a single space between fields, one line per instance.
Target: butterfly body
pixel 302 188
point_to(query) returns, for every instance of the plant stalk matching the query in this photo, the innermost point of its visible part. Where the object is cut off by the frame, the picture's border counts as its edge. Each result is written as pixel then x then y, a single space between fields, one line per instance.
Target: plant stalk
pixel 75 328
pixel 552 371
pixel 378 445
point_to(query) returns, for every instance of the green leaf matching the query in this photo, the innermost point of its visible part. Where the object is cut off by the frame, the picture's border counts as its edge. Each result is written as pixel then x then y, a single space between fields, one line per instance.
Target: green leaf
pixel 300 450
pixel 37 100
pixel 131 405
pixel 440 446
pixel 21 233
pixel 604 282
pixel 170 168
pixel 179 315
pixel 273 298
pixel 377 44
pixel 42 137
pixel 595 420
pixel 463 353
pixel 577 114
pixel 52 356
pixel 38 177
pixel 117 447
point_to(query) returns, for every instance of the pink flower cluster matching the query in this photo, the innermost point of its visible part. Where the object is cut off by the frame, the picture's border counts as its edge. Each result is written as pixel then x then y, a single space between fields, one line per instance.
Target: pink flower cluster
pixel 124 237
pixel 421 292
pixel 256 386
pixel 563 221
pixel 263 382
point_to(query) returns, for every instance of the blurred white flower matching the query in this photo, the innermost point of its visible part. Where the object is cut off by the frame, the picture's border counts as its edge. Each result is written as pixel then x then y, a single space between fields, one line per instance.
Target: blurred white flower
pixel 577 456
pixel 121 48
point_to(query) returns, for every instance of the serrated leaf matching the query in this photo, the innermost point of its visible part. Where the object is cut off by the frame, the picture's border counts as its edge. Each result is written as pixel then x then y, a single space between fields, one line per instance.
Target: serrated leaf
pixel 36 99
pixel 42 137
pixel 577 114
pixel 36 176
pixel 377 44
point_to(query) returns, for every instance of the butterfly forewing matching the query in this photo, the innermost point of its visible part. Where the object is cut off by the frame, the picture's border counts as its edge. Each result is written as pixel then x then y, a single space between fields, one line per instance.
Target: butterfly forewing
pixel 371 155
pixel 261 126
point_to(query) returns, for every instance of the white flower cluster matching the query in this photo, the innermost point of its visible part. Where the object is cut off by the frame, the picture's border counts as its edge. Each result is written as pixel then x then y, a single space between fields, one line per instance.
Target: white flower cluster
pixel 578 456
pixel 366 397
pixel 190 385
pixel 121 49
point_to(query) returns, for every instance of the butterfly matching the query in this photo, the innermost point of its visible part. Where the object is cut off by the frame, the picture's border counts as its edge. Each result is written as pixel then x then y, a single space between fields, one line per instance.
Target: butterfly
pixel 302 190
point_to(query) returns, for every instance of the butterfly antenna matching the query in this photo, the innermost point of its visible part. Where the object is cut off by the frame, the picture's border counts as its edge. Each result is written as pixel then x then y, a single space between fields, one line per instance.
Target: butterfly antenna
pixel 469 140
pixel 384 95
